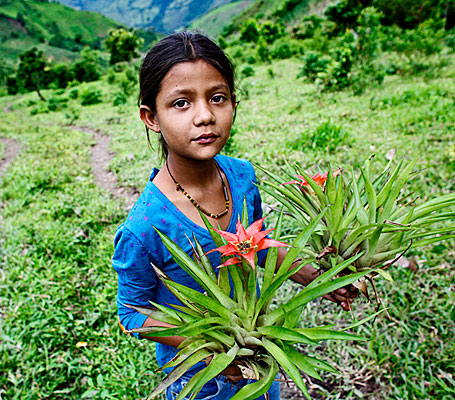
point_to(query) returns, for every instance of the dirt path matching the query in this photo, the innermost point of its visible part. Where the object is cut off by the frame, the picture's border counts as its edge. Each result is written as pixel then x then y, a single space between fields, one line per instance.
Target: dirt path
pixel 100 158
pixel 12 148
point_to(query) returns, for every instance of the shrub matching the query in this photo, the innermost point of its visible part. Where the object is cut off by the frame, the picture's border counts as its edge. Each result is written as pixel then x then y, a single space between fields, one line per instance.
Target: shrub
pixel 249 31
pixel 263 51
pixel 128 81
pixel 271 32
pixel 56 103
pixel 90 96
pixel 338 72
pixel 110 76
pixel 313 64
pixel 61 75
pixel 247 71
pixel 307 28
pixel 326 136
pixel 86 69
pixel 222 43
pixel 119 99
pixel 74 94
pixel 281 49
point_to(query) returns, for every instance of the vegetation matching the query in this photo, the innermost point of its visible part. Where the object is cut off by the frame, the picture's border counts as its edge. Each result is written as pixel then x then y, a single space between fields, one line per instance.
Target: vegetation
pixel 57 30
pixel 59 333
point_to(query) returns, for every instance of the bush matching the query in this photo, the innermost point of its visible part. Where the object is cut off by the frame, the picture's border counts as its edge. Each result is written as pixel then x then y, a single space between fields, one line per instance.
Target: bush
pixel 326 136
pixel 90 96
pixel 307 28
pixel 281 49
pixel 86 69
pixel 128 81
pixel 247 71
pixel 222 43
pixel 249 31
pixel 119 99
pixel 271 32
pixel 56 103
pixel 338 73
pixel 263 51
pixel 61 75
pixel 74 94
pixel 313 64
pixel 110 76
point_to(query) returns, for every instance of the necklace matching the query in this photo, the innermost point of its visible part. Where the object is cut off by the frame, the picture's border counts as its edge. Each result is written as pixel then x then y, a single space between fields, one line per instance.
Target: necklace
pixel 195 203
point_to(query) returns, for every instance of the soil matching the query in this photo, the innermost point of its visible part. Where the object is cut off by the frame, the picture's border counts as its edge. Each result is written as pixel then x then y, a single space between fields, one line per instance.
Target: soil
pixel 100 159
pixel 12 148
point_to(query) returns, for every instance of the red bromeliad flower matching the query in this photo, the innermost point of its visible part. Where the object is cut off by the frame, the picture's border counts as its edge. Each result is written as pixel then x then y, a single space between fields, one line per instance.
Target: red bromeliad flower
pixel 318 178
pixel 246 243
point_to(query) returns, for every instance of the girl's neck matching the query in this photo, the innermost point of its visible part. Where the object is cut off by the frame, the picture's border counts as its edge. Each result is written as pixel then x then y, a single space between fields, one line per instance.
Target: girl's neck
pixel 192 172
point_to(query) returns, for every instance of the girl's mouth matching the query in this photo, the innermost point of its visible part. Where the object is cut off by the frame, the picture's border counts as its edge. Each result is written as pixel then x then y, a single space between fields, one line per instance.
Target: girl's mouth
pixel 206 138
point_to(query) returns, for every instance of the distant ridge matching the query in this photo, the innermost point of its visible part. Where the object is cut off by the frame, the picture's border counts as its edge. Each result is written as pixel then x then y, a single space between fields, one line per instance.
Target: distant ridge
pixel 163 15
pixel 60 31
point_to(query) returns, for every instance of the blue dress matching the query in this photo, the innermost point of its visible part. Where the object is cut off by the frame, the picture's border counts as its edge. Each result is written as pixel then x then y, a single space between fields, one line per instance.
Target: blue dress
pixel 137 245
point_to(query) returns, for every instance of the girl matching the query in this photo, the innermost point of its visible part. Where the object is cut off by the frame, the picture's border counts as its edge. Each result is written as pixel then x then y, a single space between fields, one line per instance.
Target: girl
pixel 187 97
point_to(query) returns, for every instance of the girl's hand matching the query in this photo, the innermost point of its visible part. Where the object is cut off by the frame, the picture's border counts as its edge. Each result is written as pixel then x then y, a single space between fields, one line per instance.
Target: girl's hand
pixel 344 296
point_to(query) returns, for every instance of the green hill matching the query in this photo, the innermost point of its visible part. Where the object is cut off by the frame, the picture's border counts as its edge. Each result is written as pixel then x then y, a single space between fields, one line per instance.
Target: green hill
pixel 214 21
pixel 163 15
pixel 60 31
pixel 290 12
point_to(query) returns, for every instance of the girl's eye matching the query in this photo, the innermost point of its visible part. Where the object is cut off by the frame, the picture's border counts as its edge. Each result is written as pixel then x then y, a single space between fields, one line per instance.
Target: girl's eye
pixel 218 98
pixel 180 103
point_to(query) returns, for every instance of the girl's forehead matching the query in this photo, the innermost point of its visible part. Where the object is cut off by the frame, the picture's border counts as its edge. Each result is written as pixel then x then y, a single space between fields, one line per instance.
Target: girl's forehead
pixel 192 73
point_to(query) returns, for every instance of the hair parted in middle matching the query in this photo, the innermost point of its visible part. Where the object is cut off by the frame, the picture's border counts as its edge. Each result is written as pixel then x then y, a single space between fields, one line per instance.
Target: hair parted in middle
pixel 174 49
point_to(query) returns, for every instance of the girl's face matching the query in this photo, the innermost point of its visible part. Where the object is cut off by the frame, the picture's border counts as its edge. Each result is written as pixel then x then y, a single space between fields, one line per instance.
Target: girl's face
pixel 194 110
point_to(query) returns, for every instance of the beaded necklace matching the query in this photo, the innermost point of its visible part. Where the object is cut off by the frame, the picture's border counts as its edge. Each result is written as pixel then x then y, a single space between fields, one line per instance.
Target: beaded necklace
pixel 195 203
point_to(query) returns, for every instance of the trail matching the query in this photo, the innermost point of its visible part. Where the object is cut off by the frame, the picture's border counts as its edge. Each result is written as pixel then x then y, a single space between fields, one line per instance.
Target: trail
pixel 100 158
pixel 12 148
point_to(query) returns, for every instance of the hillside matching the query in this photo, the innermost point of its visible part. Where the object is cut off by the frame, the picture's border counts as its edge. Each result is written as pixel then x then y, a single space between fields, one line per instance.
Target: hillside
pixel 289 12
pixel 60 31
pixel 163 15
pixel 214 21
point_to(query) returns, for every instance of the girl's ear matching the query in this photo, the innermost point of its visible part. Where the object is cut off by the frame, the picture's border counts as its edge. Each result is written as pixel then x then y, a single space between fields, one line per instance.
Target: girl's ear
pixel 148 117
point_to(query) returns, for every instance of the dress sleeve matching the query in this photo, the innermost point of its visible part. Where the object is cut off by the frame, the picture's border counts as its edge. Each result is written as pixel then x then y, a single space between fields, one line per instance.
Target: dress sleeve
pixel 136 278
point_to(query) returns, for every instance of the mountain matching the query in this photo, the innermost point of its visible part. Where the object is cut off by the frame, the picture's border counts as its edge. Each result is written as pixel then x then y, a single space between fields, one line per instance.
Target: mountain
pixel 213 22
pixel 163 15
pixel 58 30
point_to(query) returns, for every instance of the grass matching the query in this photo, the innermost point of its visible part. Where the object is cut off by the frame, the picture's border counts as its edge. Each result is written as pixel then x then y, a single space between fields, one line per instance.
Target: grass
pixel 59 335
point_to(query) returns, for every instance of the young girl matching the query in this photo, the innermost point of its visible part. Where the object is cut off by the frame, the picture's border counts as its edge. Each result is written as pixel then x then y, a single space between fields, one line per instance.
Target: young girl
pixel 187 97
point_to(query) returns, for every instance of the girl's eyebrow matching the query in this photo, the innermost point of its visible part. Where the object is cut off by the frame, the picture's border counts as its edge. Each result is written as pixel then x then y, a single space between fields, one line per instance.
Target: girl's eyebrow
pixel 184 91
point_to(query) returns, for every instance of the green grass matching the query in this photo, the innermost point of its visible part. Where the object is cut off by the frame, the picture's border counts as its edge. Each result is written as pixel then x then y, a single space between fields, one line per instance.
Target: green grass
pixel 57 287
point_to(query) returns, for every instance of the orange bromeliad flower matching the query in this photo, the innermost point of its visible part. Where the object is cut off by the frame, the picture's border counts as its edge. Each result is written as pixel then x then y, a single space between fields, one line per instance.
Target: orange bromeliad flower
pixel 318 178
pixel 246 243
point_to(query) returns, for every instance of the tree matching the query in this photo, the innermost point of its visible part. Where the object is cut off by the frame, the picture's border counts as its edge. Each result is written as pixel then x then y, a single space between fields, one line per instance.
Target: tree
pixel 123 45
pixel 249 31
pixel 86 68
pixel 31 70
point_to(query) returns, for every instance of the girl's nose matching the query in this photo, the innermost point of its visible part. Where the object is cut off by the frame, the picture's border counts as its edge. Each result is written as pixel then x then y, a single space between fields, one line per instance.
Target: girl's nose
pixel 204 114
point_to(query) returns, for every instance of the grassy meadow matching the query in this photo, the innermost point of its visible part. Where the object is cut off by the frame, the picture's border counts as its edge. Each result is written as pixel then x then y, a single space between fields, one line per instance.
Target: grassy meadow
pixel 59 337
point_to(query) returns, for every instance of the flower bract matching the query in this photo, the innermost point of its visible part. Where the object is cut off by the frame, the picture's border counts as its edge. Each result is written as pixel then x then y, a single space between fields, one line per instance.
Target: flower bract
pixel 245 243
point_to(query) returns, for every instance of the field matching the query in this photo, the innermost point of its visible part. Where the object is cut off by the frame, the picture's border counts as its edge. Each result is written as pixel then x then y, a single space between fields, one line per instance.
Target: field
pixel 59 213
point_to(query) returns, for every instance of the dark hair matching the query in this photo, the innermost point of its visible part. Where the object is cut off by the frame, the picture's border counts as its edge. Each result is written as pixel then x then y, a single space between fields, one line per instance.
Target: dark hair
pixel 174 49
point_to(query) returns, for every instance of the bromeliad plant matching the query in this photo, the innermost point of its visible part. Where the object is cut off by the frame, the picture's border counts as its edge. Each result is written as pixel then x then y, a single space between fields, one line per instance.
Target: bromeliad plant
pixel 232 323
pixel 367 216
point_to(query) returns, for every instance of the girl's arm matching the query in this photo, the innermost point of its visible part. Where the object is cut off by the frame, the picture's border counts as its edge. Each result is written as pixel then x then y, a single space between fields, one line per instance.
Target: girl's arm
pixel 173 341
